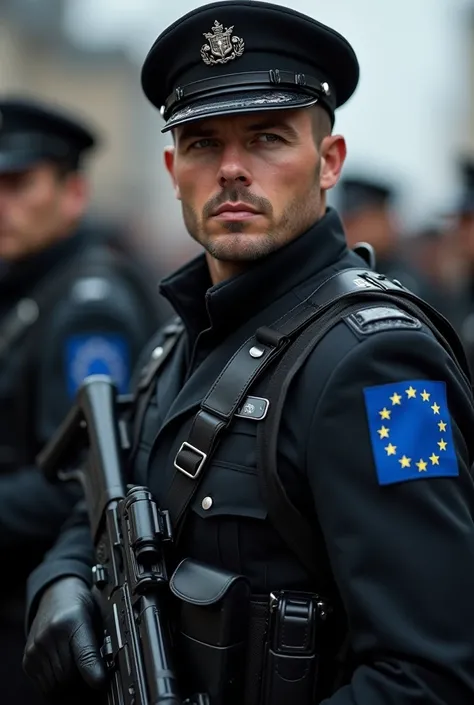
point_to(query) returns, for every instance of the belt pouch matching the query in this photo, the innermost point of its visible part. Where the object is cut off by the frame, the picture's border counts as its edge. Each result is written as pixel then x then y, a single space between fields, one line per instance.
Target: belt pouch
pixel 292 652
pixel 212 629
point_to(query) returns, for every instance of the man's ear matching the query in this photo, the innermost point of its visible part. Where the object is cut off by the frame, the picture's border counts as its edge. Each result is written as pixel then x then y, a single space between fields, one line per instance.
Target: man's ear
pixel 76 194
pixel 169 155
pixel 333 155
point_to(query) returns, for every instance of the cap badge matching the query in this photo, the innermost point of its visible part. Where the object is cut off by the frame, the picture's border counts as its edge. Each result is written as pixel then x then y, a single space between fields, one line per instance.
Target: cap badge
pixel 222 46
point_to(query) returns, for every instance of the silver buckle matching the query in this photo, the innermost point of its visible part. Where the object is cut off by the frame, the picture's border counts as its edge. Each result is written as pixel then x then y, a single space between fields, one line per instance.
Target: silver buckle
pixel 201 462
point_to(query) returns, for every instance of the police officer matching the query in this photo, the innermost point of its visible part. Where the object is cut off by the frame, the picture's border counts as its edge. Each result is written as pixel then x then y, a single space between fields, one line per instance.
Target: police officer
pixel 68 306
pixel 462 240
pixel 368 448
pixel 367 209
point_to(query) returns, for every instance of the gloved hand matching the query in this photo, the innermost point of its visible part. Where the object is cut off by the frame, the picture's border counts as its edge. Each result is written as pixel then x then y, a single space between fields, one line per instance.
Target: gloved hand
pixel 62 643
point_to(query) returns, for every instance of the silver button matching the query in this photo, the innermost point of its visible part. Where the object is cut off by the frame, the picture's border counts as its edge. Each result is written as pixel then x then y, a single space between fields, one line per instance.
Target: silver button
pixel 206 503
pixel 27 311
pixel 256 352
pixel 157 352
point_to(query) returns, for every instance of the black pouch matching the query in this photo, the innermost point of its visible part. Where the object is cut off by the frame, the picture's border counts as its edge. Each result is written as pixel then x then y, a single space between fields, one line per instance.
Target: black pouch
pixel 212 627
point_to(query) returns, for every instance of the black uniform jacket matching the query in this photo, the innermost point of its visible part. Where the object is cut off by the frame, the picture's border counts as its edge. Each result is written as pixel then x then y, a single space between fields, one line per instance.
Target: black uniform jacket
pixel 38 375
pixel 401 552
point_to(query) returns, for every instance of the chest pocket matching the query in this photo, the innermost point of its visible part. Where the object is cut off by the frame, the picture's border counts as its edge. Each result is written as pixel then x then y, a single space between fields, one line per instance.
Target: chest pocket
pixel 230 486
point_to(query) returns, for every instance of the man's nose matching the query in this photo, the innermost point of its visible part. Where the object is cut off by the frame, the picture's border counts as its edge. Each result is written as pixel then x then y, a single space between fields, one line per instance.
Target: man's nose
pixel 233 168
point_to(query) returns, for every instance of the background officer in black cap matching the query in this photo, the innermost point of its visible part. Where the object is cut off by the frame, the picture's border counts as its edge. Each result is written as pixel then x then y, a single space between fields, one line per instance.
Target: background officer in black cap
pixel 68 307
pixel 368 210
pixel 368 449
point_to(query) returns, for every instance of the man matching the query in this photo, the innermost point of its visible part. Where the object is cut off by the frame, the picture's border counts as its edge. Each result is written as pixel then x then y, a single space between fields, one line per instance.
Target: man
pixel 462 241
pixel 67 307
pixel 367 209
pixel 249 91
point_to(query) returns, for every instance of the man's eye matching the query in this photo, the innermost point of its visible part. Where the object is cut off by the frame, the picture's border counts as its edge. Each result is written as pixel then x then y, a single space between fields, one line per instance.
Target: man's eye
pixel 202 144
pixel 269 137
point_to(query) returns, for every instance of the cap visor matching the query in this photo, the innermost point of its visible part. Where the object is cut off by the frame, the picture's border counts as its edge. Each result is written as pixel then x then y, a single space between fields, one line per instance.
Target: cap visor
pixel 237 103
pixel 11 162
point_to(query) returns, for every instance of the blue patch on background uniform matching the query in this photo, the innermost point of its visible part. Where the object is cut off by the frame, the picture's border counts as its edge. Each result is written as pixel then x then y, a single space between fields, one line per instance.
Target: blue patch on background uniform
pixel 106 354
pixel 410 431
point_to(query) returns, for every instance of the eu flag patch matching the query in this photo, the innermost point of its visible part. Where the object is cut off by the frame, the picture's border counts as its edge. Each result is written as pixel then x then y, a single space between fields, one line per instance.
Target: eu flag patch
pixel 101 354
pixel 410 431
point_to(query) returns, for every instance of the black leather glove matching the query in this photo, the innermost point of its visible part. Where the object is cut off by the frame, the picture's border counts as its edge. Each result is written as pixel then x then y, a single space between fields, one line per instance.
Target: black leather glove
pixel 62 647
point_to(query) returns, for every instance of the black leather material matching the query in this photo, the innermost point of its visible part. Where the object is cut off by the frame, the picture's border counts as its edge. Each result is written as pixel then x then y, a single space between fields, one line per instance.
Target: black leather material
pixel 246 82
pixel 212 629
pixel 199 584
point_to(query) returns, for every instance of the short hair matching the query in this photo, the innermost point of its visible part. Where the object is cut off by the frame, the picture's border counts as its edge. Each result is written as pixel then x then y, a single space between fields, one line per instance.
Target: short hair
pixel 322 124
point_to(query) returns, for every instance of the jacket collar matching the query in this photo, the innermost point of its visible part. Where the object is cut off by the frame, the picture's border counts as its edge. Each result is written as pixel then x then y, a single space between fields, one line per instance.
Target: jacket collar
pixel 224 306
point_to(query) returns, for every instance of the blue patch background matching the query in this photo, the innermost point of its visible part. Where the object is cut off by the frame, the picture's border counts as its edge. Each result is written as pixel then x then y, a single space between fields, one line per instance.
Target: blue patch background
pixel 418 427
pixel 102 353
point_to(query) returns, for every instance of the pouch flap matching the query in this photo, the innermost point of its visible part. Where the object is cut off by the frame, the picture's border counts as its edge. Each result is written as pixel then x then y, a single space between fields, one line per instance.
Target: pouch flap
pixel 201 584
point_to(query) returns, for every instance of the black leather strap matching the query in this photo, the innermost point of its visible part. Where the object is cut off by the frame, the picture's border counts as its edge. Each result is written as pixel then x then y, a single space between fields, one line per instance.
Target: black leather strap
pixel 304 539
pixel 145 386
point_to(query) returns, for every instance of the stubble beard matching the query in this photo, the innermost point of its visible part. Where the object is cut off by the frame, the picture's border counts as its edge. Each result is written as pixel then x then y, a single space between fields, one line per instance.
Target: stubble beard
pixel 297 217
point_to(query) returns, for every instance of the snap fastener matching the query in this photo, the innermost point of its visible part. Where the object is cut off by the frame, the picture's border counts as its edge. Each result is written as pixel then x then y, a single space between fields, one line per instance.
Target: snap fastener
pixel 157 352
pixel 206 503
pixel 256 352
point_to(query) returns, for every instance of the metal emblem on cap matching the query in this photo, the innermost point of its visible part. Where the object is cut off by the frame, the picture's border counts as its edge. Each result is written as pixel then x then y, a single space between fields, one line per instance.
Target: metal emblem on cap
pixel 222 46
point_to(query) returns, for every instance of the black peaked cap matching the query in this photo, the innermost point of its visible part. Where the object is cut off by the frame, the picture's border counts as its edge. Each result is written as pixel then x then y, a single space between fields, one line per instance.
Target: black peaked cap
pixel 245 56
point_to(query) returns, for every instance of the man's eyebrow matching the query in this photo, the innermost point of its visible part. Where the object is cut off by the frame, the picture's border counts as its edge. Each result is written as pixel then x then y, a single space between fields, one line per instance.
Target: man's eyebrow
pixel 193 131
pixel 270 124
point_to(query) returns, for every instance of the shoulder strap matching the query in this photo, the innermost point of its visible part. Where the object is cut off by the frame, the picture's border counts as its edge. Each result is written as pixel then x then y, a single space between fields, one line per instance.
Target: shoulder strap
pixel 301 535
pixel 145 386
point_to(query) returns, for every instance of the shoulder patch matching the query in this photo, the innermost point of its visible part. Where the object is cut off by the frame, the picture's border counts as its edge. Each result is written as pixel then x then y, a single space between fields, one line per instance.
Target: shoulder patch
pixel 103 353
pixel 379 318
pixel 410 431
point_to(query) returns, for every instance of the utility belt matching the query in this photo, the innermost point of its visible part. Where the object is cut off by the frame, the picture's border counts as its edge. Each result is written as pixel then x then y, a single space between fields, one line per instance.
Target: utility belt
pixel 243 649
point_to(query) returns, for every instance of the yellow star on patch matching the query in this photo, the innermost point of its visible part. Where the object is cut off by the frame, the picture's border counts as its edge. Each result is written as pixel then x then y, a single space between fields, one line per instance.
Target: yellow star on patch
pixel 442 426
pixel 385 414
pixel 436 408
pixel 442 444
pixel 421 465
pixel 425 396
pixel 411 392
pixel 434 459
pixel 396 399
pixel 383 432
pixel 391 450
pixel 405 462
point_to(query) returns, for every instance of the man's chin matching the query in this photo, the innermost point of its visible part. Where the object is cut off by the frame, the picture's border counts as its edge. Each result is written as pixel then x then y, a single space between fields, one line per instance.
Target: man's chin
pixel 240 247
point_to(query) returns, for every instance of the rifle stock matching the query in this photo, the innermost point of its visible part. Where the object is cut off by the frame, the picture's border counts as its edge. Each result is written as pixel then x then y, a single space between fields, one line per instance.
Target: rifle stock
pixel 128 531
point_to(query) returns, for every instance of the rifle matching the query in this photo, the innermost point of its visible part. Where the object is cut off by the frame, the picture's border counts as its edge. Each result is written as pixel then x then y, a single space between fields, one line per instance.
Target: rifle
pixel 129 532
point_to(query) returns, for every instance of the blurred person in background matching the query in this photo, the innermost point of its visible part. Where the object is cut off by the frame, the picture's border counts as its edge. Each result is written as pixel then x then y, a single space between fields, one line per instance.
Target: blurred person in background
pixel 69 306
pixel 367 208
pixel 462 237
